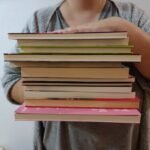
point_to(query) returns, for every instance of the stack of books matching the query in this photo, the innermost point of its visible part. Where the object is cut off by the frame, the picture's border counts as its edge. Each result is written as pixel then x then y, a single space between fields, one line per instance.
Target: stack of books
pixel 76 77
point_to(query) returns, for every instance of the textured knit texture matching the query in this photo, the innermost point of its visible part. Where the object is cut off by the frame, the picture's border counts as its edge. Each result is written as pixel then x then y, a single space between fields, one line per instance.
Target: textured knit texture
pixel 89 136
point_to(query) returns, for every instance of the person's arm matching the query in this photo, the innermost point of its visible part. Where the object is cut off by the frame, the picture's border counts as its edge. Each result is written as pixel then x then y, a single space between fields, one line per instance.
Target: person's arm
pixel 17 92
pixel 141 42
pixel 11 80
pixel 138 38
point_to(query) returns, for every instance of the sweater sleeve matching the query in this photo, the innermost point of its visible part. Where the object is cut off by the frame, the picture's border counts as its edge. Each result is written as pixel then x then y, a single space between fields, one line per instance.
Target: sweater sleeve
pixel 134 14
pixel 38 22
pixel 12 74
pixel 140 18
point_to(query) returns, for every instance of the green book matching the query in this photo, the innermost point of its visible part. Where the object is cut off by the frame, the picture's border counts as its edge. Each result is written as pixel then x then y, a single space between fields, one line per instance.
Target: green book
pixel 114 49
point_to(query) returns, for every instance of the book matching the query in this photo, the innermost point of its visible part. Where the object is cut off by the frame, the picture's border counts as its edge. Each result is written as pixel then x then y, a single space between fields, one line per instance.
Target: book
pixel 78 88
pixel 70 42
pixel 82 95
pixel 76 72
pixel 84 103
pixel 91 35
pixel 130 79
pixel 65 77
pixel 35 83
pixel 72 58
pixel 24 113
pixel 65 64
pixel 77 49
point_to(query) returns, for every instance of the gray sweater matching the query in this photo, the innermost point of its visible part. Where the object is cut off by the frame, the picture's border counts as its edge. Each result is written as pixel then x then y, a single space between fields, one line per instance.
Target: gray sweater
pixel 89 136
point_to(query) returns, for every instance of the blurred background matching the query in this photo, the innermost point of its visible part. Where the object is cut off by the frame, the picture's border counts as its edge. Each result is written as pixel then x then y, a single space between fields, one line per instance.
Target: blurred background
pixel 13 16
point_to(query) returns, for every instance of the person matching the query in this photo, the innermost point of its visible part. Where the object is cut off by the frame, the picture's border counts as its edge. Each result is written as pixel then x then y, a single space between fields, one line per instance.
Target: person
pixel 71 16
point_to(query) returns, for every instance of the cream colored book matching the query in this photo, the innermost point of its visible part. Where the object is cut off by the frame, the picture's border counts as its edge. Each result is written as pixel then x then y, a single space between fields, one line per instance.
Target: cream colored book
pixel 77 49
pixel 46 36
pixel 70 42
pixel 63 95
pixel 72 58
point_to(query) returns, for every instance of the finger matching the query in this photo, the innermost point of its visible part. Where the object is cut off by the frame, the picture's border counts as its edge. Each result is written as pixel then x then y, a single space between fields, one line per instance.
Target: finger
pixel 70 30
pixel 78 29
pixel 56 31
pixel 67 30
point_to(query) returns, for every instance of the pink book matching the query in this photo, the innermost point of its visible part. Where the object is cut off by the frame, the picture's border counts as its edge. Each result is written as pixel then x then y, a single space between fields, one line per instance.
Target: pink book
pixel 78 111
pixel 77 114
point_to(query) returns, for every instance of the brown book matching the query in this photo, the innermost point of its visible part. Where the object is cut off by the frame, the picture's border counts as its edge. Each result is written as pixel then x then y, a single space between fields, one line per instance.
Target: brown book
pixel 76 72
pixel 42 64
pixel 84 103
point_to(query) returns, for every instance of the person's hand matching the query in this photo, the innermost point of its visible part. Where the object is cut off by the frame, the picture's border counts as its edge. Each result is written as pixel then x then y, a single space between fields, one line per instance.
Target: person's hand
pixel 106 25
pixel 137 37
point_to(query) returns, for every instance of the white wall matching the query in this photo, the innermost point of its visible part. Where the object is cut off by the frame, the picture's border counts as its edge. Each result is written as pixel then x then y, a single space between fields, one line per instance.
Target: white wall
pixel 13 15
